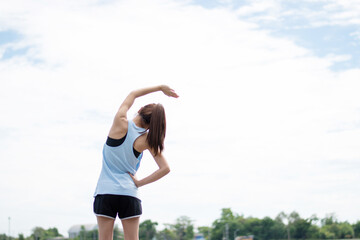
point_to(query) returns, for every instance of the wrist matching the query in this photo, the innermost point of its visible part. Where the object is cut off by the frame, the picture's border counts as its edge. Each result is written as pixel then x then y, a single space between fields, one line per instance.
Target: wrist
pixel 139 183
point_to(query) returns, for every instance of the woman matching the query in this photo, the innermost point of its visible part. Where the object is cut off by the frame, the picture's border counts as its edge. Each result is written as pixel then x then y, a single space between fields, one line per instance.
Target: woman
pixel 116 191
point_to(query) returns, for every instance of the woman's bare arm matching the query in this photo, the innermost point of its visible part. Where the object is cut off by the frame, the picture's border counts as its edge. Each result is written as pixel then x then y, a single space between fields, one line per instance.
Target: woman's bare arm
pixel 161 172
pixel 129 100
pixel 119 126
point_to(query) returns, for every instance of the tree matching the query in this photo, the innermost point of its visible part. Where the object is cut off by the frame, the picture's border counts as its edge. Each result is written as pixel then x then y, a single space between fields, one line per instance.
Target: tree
pixel 166 234
pixel 3 237
pixel 183 228
pixel 314 232
pixel 225 225
pixel 205 231
pixel 345 230
pixel 329 219
pixel 331 228
pixel 254 227
pixel 289 219
pixel 117 233
pixel 52 232
pixel 147 230
pixel 82 234
pixel 39 233
pixel 272 229
pixel 91 235
pixel 279 228
pixel 301 228
pixel 356 228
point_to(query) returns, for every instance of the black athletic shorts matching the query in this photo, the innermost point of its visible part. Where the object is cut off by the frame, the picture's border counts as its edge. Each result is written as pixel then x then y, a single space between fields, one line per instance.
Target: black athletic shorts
pixel 108 205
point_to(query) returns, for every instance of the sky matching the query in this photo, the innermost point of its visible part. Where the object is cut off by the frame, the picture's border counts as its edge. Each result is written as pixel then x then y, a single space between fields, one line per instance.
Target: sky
pixel 268 117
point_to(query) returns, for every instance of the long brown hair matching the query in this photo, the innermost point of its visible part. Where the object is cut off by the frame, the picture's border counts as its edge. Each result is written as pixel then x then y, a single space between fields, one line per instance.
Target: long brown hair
pixel 153 115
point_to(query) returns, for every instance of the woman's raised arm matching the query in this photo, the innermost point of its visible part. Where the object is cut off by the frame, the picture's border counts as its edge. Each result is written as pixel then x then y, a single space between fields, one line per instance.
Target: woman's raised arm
pixel 129 100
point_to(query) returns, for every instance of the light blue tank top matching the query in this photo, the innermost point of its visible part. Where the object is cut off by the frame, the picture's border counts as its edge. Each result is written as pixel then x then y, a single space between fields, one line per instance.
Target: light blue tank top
pixel 117 162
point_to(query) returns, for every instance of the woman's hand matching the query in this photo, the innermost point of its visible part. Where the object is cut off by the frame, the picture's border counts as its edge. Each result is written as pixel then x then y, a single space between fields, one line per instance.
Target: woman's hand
pixel 137 182
pixel 168 91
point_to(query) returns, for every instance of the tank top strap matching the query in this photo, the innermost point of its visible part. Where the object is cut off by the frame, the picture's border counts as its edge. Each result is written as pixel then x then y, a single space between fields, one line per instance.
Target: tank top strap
pixel 134 132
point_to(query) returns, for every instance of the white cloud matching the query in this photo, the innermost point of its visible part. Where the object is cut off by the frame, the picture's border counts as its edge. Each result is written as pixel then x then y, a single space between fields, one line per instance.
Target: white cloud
pixel 258 117
pixel 258 7
pixel 356 35
pixel 327 13
pixel 338 58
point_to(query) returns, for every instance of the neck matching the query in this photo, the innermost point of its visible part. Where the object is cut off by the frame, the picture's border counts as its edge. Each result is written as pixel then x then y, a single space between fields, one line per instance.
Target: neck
pixel 139 122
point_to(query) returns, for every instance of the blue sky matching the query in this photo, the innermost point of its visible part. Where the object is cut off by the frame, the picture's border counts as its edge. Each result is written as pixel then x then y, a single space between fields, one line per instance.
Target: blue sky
pixel 277 82
pixel 322 39
pixel 8 36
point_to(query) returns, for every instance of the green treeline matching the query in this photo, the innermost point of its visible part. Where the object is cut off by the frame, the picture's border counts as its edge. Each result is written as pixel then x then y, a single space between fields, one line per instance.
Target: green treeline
pixel 227 227
pixel 230 225
pixel 284 226
pixel 38 233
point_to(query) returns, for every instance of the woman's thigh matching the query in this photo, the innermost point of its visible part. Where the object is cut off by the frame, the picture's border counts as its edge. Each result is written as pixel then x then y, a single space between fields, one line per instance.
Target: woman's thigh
pixel 131 228
pixel 106 227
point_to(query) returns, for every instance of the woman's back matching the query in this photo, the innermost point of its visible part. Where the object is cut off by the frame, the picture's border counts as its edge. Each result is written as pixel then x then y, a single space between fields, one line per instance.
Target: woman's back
pixel 118 161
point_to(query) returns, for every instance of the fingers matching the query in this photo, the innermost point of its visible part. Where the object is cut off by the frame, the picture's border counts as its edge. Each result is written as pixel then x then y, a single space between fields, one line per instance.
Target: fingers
pixel 169 91
pixel 134 179
pixel 172 93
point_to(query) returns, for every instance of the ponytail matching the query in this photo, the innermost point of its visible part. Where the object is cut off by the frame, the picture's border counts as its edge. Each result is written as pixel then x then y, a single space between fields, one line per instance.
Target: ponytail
pixel 154 116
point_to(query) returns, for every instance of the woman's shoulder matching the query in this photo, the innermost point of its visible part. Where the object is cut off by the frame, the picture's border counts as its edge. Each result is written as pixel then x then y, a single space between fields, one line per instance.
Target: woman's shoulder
pixel 119 128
